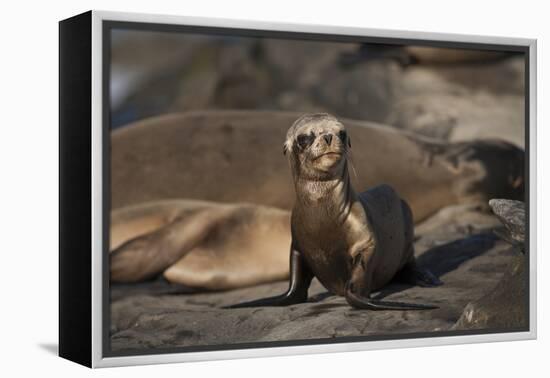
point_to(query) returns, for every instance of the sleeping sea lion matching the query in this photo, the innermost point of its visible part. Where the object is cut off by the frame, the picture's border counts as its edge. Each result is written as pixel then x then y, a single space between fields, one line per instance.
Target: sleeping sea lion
pixel 200 244
pixel 234 156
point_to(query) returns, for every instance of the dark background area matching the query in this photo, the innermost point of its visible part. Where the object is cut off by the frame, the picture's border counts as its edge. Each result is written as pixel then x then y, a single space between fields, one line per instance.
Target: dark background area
pixel 451 94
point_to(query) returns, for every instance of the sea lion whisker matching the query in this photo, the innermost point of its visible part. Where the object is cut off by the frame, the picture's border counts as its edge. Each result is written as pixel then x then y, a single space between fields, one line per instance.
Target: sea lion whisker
pixel 349 157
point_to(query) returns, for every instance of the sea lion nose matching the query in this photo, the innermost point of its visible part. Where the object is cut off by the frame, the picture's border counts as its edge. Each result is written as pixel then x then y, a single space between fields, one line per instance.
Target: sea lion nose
pixel 328 138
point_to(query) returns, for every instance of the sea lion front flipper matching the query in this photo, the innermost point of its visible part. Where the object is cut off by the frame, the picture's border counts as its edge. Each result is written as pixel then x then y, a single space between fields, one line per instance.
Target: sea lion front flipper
pixel 300 279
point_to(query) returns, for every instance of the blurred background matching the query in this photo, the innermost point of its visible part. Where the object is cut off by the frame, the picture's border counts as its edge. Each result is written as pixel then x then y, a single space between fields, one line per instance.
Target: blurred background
pixel 449 94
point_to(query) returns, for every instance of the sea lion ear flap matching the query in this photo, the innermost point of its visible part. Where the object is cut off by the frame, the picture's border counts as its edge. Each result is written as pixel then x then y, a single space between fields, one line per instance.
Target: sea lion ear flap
pixel 349 142
pixel 284 149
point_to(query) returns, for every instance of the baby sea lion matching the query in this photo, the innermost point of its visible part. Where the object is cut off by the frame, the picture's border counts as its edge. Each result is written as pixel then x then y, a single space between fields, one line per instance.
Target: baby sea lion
pixel 353 243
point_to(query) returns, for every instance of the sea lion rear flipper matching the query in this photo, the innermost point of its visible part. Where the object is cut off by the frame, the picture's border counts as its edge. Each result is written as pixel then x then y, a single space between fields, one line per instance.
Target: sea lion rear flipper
pixel 358 289
pixel 412 274
pixel 377 305
pixel 426 278
pixel 300 279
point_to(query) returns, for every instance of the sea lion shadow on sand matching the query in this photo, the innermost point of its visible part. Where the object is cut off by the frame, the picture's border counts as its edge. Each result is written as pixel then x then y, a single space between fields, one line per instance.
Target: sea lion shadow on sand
pixel 439 260
pixel 157 285
pixel 443 259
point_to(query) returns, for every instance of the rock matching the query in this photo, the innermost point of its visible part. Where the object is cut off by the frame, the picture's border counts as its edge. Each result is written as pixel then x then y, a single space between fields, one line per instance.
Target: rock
pixel 142 57
pixel 497 77
pixel 366 91
pixel 506 306
pixel 147 70
pixel 438 55
pixel 462 102
pixel 372 51
pixel 461 117
pixel 469 261
pixel 512 214
pixel 295 64
pixel 184 72
pixel 451 94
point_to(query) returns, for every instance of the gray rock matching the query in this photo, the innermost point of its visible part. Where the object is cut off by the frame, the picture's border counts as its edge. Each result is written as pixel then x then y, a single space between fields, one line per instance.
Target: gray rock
pixel 448 94
pixel 512 214
pixel 365 91
pixel 461 116
pixel 498 77
pixel 458 102
pixel 506 305
pixel 438 55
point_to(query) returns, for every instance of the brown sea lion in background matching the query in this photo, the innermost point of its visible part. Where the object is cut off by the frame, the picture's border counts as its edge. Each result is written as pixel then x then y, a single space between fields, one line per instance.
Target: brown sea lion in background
pixel 235 156
pixel 200 244
pixel 352 243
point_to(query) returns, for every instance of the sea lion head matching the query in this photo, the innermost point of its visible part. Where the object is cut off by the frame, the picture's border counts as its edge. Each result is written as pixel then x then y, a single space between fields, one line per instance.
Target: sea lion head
pixel 317 146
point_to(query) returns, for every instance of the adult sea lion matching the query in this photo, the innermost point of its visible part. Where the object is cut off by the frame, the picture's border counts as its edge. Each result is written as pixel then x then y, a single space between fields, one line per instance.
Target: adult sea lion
pixel 235 156
pixel 353 243
pixel 199 244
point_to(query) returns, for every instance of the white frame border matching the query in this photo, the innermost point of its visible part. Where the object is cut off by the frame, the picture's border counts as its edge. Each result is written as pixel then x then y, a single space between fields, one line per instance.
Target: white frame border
pixel 97 199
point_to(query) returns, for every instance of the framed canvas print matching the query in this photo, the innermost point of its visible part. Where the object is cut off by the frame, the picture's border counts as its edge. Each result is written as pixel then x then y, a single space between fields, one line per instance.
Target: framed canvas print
pixel 234 189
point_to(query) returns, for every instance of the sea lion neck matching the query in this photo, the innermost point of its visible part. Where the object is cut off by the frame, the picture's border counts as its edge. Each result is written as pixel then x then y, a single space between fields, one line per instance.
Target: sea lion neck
pixel 333 196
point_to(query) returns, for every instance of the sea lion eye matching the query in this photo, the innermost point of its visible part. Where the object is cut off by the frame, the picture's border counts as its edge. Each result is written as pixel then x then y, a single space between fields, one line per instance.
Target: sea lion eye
pixel 304 140
pixel 344 136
